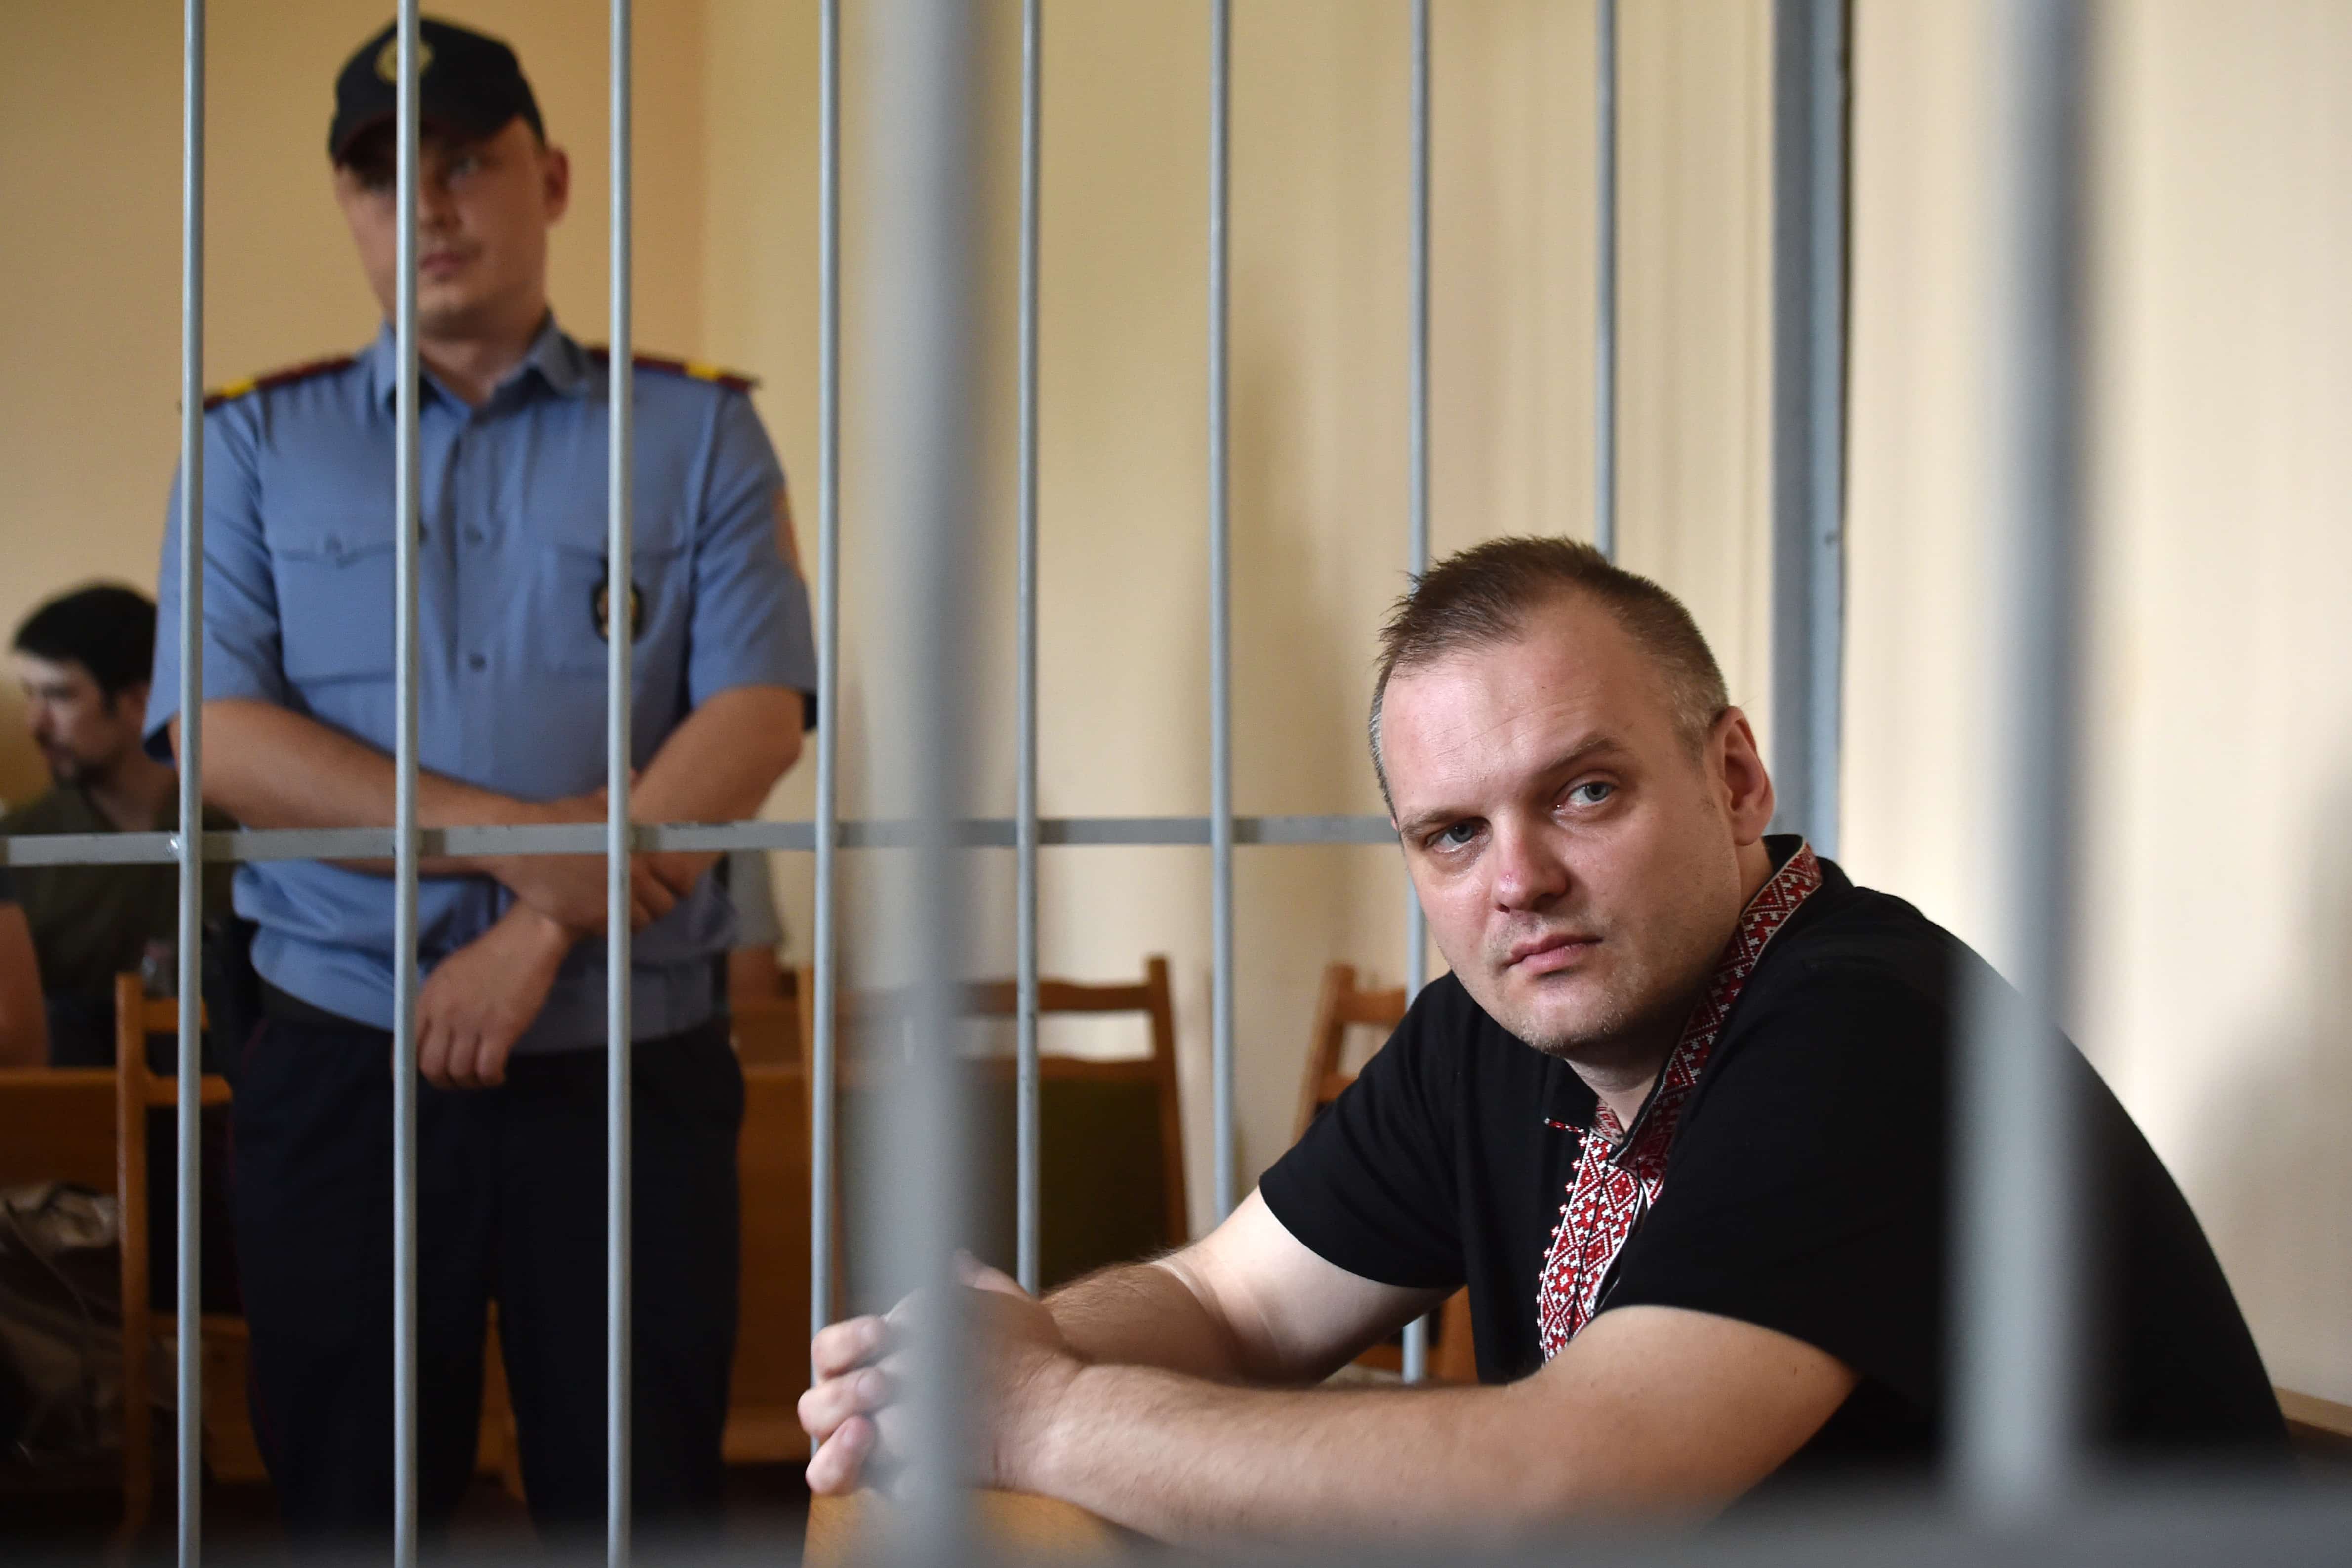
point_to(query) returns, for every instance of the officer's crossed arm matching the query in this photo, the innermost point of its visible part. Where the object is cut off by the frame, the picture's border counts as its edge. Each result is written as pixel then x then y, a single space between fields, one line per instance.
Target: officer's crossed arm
pixel 270 767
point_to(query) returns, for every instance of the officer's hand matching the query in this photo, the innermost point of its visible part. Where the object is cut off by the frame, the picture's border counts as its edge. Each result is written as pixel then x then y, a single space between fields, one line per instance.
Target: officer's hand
pixel 478 1000
pixel 569 889
pixel 676 872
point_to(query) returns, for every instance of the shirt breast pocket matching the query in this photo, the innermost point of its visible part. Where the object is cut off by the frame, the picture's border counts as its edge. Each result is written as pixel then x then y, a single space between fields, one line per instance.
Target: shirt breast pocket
pixel 580 600
pixel 335 601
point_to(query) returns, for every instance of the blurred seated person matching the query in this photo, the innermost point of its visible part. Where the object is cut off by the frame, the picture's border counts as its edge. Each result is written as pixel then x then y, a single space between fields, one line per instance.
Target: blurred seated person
pixel 83 662
pixel 1676 1117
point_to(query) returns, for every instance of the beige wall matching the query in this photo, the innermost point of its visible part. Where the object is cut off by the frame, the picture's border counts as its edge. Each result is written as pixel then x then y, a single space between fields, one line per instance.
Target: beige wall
pixel 2219 734
pixel 1319 456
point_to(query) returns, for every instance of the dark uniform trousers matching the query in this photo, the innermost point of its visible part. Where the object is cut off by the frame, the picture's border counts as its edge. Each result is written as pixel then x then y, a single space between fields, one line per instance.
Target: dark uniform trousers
pixel 510 1208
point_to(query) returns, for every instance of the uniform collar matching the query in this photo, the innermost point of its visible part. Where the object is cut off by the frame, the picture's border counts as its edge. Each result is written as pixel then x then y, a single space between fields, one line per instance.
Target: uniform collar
pixel 552 357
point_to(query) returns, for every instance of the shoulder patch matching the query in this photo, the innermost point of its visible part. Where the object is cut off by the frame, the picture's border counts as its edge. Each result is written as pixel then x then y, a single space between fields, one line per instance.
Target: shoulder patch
pixel 286 377
pixel 733 381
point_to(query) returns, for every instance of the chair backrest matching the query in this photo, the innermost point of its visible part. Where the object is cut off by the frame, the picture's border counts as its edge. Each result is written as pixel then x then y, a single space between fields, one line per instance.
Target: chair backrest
pixel 138 1090
pixel 772 1030
pixel 1342 1006
pixel 771 1365
pixel 1089 1115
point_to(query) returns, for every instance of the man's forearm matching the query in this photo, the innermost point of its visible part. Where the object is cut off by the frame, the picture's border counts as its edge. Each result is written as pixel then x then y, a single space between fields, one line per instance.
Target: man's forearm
pixel 1144 1314
pixel 721 760
pixel 1186 1461
pixel 719 764
pixel 270 767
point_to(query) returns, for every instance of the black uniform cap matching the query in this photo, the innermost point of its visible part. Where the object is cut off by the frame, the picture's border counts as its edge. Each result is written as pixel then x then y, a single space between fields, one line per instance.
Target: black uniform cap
pixel 470 83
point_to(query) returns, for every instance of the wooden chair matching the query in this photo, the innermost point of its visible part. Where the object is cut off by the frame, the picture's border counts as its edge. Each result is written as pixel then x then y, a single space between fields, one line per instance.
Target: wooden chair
pixel 773 1290
pixel 229 1445
pixel 1085 1225
pixel 1343 1006
pixel 770 1031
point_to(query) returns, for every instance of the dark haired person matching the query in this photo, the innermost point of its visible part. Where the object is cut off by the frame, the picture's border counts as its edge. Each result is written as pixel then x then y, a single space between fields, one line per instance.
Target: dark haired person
pixel 1676 1118
pixel 82 663
pixel 517 601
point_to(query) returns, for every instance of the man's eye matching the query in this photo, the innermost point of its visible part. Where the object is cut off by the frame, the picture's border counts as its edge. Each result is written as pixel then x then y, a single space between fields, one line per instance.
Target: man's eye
pixel 1455 837
pixel 1590 794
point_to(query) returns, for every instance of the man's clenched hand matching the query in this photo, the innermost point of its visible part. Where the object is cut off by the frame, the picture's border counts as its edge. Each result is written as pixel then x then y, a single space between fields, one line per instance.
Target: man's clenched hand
pixel 479 999
pixel 1020 1366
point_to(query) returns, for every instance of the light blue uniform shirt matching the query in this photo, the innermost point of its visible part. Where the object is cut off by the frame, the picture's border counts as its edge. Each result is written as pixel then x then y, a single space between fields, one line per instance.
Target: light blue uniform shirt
pixel 510 573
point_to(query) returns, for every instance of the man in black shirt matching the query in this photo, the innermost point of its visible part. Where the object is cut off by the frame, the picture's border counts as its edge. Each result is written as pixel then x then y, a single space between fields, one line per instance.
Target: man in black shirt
pixel 1676 1118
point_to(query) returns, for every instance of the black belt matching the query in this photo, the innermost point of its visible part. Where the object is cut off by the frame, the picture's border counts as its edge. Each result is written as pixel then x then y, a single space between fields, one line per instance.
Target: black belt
pixel 288 1007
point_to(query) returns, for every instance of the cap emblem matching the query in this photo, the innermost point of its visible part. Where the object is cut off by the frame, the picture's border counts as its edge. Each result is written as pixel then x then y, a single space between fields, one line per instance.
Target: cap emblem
pixel 387 59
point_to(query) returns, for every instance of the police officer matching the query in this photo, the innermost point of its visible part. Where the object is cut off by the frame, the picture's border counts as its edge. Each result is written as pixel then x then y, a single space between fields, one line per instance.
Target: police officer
pixel 516 599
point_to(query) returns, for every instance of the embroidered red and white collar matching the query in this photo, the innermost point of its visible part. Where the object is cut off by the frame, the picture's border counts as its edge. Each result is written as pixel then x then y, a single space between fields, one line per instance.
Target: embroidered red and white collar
pixel 1618 1177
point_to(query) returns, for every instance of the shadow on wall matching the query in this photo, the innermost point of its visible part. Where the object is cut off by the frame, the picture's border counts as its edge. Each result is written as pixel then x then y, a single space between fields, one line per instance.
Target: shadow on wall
pixel 2274 1182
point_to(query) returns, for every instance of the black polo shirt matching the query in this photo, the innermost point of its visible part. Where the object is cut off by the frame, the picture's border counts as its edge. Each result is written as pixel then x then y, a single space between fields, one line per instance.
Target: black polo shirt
pixel 1805 1191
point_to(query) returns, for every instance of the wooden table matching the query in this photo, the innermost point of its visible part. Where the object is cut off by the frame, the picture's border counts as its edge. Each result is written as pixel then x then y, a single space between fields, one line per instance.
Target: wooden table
pixel 840 1529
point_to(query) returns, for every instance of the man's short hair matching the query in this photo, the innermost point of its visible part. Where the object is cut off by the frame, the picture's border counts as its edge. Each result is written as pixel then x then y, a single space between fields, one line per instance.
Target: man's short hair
pixel 1484 596
pixel 106 629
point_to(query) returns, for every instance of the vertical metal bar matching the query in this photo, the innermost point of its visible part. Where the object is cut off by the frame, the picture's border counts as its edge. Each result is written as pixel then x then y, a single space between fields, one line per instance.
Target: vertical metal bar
pixel 186 1119
pixel 1416 925
pixel 1809 131
pixel 404 811
pixel 822 1163
pixel 1025 1134
pixel 1220 669
pixel 620 551
pixel 1604 323
pixel 2018 1389
pixel 922 303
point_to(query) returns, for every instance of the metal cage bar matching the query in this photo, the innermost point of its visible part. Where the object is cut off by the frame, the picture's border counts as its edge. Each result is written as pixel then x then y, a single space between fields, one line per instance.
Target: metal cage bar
pixel 620 556
pixel 2020 1281
pixel 1024 831
pixel 1604 279
pixel 1221 664
pixel 240 845
pixel 1809 131
pixel 825 946
pixel 405 511
pixel 188 1236
pixel 1417 554
pixel 921 323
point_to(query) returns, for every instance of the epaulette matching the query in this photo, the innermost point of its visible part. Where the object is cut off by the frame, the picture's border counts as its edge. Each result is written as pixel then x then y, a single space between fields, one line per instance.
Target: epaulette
pixel 286 377
pixel 734 380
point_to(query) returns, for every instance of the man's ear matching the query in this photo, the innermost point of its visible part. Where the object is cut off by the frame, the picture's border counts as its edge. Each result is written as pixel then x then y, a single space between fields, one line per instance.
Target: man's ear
pixel 555 181
pixel 135 696
pixel 1745 782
